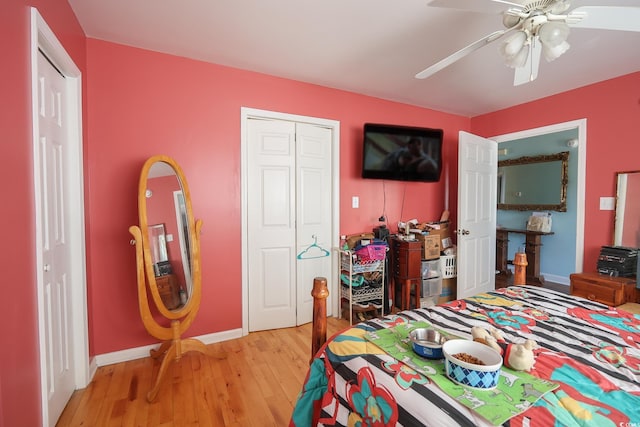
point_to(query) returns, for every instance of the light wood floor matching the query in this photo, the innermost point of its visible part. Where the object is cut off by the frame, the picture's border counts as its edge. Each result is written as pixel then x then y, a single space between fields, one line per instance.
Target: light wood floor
pixel 250 381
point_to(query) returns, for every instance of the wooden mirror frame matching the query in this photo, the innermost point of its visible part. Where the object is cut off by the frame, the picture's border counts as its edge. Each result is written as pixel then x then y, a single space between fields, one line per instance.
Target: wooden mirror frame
pixel 173 346
pixel 564 179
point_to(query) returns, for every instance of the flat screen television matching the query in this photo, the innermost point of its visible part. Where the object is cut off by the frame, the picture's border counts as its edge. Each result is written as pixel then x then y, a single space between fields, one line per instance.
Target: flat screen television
pixel 402 153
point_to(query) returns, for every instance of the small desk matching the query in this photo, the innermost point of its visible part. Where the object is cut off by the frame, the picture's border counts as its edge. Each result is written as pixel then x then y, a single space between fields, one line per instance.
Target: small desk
pixel 533 246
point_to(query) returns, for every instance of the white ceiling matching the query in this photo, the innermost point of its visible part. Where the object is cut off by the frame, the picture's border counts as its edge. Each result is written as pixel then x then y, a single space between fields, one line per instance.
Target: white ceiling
pixel 372 47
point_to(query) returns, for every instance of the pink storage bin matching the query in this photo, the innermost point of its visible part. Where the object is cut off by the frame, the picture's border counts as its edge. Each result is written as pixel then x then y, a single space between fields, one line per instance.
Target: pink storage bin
pixel 372 252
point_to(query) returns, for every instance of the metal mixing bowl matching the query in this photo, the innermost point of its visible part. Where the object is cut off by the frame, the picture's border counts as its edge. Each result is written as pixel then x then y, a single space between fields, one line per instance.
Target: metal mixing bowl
pixel 427 342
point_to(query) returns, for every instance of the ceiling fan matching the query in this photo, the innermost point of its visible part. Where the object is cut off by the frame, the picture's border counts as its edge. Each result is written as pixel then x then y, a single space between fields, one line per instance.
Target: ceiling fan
pixel 535 28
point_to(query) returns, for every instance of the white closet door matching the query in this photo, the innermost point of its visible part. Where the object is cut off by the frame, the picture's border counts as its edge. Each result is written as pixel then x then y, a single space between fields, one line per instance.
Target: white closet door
pixel 271 224
pixel 55 250
pixel 289 202
pixel 313 212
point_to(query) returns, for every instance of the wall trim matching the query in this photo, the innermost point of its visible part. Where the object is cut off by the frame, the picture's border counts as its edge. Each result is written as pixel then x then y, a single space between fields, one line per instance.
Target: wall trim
pixel 562 280
pixel 142 352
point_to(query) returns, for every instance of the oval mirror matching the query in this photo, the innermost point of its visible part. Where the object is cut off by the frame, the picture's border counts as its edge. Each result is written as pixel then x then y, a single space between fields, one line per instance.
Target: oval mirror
pixel 167 227
pixel 168 261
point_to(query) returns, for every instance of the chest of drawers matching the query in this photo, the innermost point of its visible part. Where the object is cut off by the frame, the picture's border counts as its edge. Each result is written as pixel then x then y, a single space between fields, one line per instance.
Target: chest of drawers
pixel 612 291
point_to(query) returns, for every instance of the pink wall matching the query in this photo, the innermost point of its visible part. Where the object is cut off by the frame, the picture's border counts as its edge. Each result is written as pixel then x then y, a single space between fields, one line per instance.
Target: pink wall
pixel 612 109
pixel 143 103
pixel 140 103
pixel 20 368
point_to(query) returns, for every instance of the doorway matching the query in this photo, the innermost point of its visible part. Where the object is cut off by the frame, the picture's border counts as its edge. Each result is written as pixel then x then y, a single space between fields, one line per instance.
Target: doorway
pixel 290 199
pixel 575 205
pixel 59 220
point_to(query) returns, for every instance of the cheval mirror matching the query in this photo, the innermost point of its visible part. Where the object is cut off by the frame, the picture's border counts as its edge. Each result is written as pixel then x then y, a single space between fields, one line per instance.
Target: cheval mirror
pixel 167 245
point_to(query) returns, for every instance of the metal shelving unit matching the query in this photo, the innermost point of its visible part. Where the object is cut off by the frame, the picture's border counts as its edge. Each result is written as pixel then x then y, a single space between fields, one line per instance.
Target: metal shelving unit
pixel 361 285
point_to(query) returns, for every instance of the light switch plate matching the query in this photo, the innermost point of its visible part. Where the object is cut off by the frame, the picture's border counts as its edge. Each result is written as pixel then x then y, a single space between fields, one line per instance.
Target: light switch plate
pixel 607 203
pixel 355 202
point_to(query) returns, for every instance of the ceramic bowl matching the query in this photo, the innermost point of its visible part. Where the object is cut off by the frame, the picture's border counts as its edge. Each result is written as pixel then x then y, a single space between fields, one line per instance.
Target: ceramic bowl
pixel 427 342
pixel 484 377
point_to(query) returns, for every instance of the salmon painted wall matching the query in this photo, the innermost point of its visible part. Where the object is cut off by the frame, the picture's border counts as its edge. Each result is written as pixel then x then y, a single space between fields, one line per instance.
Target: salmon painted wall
pixel 19 360
pixel 143 103
pixel 612 109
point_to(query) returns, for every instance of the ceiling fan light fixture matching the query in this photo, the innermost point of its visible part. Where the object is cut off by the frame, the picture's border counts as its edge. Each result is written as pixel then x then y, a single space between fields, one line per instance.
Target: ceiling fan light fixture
pixel 509 20
pixel 551 53
pixel 553 33
pixel 518 60
pixel 514 44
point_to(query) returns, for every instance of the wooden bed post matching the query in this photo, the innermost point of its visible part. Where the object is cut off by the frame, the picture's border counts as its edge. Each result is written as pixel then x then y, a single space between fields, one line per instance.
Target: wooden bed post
pixel 319 331
pixel 520 263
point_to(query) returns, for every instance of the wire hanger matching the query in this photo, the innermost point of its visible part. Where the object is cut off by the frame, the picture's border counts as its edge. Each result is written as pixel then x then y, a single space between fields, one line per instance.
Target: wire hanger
pixel 305 255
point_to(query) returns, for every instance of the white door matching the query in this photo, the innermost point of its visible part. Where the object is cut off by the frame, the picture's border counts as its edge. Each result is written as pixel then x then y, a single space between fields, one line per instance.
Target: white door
pixel 288 202
pixel 313 213
pixel 57 280
pixel 477 183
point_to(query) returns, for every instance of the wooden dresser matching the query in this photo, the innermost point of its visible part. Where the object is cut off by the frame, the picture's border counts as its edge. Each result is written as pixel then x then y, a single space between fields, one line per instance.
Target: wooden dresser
pixel 612 291
pixel 406 264
pixel 169 290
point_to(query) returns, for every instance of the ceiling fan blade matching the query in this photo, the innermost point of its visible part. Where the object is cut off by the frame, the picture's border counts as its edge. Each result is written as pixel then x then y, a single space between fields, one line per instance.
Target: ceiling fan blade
pixel 484 6
pixel 608 18
pixel 461 54
pixel 529 71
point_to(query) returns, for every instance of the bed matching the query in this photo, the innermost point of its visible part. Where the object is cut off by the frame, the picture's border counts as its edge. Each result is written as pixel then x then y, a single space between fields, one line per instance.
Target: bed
pixel 586 372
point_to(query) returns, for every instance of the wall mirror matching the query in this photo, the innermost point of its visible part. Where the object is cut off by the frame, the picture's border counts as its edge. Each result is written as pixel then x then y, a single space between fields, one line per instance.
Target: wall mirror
pixel 168 261
pixel 627 218
pixel 534 183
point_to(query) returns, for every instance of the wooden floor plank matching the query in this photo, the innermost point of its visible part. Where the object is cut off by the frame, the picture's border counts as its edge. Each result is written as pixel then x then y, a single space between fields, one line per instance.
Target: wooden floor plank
pixel 250 381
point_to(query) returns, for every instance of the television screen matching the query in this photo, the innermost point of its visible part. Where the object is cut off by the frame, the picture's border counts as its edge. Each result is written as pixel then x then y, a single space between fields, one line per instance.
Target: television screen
pixel 402 153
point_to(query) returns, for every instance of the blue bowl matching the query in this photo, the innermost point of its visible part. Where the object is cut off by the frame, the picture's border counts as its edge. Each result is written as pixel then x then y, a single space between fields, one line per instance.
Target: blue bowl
pixel 427 342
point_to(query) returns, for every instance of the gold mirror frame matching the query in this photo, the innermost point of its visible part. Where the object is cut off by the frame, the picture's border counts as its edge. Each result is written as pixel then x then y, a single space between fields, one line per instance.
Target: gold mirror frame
pixel 564 179
pixel 173 346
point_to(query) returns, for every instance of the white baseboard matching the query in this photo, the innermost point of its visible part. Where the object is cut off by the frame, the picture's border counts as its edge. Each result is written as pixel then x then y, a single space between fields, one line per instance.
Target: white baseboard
pixel 140 352
pixel 562 280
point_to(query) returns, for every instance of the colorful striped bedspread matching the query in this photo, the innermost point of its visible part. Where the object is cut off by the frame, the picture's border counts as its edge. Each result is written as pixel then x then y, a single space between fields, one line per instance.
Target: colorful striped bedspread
pixel 590 350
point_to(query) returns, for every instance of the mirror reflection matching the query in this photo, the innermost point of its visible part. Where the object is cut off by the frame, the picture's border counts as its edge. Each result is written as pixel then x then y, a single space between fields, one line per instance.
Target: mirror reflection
pixel 533 183
pixel 627 219
pixel 168 236
pixel 157 237
pixel 168 262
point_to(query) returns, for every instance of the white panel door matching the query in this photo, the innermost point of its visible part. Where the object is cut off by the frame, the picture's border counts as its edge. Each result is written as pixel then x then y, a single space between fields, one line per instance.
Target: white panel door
pixel 313 212
pixel 271 224
pixel 56 294
pixel 477 180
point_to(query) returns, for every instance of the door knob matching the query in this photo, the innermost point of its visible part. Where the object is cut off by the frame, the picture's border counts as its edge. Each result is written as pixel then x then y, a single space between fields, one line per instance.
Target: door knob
pixel 462 232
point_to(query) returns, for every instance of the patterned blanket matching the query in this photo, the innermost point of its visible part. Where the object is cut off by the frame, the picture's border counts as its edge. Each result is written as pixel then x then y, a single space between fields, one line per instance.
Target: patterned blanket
pixel 590 350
